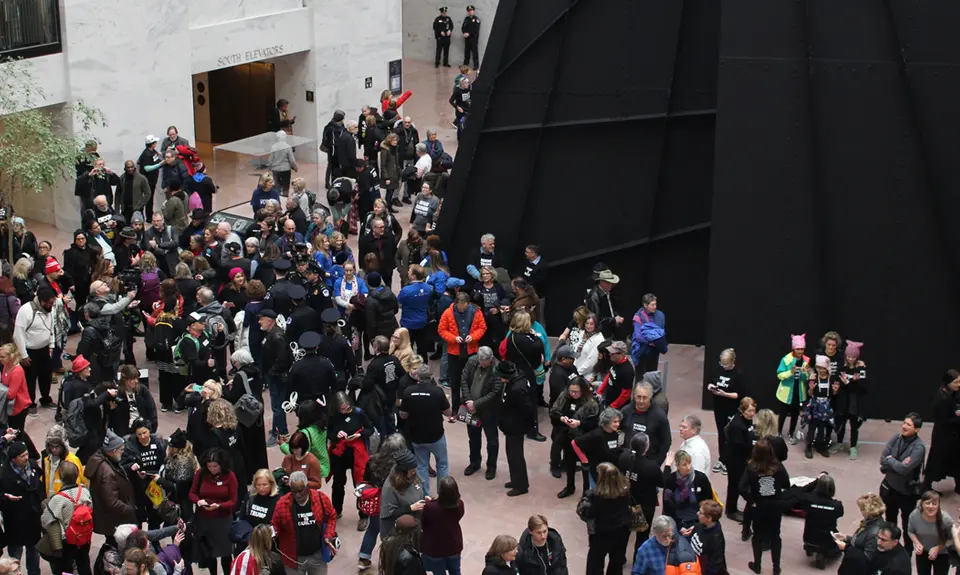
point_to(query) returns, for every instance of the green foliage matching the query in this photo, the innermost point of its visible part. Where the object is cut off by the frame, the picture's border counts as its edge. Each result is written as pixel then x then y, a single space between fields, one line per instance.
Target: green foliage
pixel 36 149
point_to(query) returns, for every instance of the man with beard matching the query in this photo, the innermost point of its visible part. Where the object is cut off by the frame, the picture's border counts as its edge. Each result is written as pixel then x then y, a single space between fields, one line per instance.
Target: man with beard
pixel 34 337
pixel 381 242
pixel 149 162
pixel 161 240
pixel 133 192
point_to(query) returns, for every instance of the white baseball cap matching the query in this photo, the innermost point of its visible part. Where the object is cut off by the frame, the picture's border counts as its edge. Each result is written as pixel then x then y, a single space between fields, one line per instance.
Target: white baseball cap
pixel 151 139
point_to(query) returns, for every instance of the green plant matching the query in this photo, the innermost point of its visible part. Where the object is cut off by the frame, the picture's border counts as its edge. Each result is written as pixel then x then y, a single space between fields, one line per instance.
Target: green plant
pixel 36 148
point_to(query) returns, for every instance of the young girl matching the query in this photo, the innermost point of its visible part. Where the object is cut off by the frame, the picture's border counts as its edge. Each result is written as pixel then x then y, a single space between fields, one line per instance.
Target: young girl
pixel 818 413
pixel 848 399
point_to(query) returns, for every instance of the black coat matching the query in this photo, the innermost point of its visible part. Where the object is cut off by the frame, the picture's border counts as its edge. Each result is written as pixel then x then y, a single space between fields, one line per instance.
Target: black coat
pixel 408 563
pixel 78 264
pixel 312 377
pixel 385 248
pixel 118 418
pixel 254 438
pixel 526 351
pixel 945 439
pixel 345 152
pixel 702 491
pixel 92 346
pixel 496 566
pixel 519 407
pixel 644 475
pixel 384 372
pixel 380 312
pixel 75 388
pixel 25 512
pixel 275 353
pixel 529 561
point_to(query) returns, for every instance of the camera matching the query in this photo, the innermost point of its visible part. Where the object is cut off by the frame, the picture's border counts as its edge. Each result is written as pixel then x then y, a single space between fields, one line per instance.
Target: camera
pixel 130 279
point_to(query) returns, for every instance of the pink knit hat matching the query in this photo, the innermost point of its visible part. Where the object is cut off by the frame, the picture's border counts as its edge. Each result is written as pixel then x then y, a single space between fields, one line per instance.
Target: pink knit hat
pixel 823 361
pixel 798 341
pixel 853 349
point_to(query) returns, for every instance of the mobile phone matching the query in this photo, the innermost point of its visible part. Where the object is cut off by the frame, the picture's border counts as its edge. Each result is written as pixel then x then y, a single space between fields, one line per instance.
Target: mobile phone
pixel 197 388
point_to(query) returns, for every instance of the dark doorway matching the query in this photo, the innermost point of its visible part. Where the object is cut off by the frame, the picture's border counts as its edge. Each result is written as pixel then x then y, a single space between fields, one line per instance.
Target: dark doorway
pixel 240 98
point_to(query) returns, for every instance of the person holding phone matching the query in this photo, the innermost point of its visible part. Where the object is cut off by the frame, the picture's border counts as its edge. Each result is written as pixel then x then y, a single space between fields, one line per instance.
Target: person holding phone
pixel 143 455
pixel 214 492
pixel 725 387
pixel 305 525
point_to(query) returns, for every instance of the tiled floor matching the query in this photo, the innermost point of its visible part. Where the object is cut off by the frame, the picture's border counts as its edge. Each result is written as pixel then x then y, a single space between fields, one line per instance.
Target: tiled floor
pixel 488 511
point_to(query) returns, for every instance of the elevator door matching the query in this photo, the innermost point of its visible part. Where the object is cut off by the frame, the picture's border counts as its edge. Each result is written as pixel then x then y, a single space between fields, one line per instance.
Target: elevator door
pixel 240 99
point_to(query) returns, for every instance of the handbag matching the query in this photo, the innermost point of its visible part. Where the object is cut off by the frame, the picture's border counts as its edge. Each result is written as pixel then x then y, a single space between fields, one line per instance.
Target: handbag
pixel 638 521
pixel 471 419
pixel 51 542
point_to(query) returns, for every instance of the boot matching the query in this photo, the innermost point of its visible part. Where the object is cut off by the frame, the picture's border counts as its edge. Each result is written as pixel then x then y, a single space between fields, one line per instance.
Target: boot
pixel 808 452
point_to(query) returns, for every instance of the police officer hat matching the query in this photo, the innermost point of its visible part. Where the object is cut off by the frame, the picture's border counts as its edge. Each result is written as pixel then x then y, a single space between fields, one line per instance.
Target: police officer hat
pixel 443 9
pixel 470 7
pixel 313 267
pixel 297 292
pixel 268 313
pixel 309 340
pixel 282 265
pixel 330 316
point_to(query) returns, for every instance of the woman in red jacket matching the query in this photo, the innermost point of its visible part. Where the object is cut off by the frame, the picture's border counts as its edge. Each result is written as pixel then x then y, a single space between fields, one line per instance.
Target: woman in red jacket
pixel 461 327
pixel 214 492
pixel 16 383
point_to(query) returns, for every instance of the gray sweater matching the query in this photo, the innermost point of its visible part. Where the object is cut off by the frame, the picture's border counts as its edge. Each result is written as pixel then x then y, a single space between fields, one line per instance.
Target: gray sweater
pixel 926 531
pixel 395 503
pixel 898 472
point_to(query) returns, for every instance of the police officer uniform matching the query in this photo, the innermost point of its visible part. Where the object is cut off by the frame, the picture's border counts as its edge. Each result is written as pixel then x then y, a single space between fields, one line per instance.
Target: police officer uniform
pixel 336 348
pixel 319 296
pixel 442 29
pixel 471 31
pixel 278 296
pixel 313 376
pixel 302 318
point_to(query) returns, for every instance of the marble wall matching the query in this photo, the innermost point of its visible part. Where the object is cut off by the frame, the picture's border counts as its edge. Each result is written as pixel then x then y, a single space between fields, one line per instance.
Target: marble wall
pixel 418 16
pixel 207 12
pixel 251 40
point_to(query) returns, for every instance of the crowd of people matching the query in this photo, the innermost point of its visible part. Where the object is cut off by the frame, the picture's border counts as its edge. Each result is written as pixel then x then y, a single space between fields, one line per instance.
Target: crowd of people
pixel 292 313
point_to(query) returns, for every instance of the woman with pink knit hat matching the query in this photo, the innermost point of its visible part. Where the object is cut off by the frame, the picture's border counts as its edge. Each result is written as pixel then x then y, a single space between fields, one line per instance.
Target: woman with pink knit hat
pixel 848 399
pixel 818 413
pixel 793 374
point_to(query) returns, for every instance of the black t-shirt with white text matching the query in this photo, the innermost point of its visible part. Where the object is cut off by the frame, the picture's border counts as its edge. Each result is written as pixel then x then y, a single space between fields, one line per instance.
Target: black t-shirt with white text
pixel 309 536
pixel 260 509
pixel 424 404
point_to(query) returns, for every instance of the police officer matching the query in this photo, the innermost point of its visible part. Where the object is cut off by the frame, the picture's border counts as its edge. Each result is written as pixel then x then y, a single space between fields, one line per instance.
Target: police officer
pixel 302 318
pixel 319 296
pixel 336 348
pixel 471 35
pixel 278 296
pixel 442 29
pixel 313 376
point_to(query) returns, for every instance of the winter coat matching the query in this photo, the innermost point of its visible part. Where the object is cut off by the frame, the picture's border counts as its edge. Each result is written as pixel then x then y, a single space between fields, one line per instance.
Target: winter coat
pixel 175 173
pixel 25 512
pixel 78 264
pixel 389 169
pixel 529 562
pixel 785 375
pixel 648 332
pixel 701 490
pixel 586 410
pixel 415 300
pixel 112 493
pixel 496 566
pixel 286 528
pixel 174 211
pixel 454 324
pixel 945 439
pixel 381 312
pixel 118 418
pixel 519 406
pixel 491 392
pixel 76 388
pixel 384 247
pixel 138 187
pixel 407 255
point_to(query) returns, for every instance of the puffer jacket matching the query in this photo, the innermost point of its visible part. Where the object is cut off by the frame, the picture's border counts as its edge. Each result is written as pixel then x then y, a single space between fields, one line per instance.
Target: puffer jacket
pixel 93 346
pixel 529 562
pixel 408 563
pixel 112 492
pixel 381 312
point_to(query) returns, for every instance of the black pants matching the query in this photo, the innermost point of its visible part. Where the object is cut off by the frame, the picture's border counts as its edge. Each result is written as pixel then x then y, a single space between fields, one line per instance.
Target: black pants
pixel 939 566
pixel 612 543
pixel 721 418
pixel 570 461
pixel 420 339
pixel 455 365
pixel 818 434
pixel 516 461
pixel 783 410
pixel 471 48
pixel 840 423
pixel 901 503
pixel 488 428
pixel 328 174
pixel 211 564
pixel 642 536
pixel 19 420
pixel 339 465
pixel 283 180
pixel 735 471
pixel 766 528
pixel 443 46
pixel 559 438
pixel 39 373
pixel 148 207
pixel 72 555
pixel 171 384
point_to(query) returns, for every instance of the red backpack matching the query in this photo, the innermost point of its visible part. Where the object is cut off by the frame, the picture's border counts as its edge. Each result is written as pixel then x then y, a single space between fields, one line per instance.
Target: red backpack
pixel 80 530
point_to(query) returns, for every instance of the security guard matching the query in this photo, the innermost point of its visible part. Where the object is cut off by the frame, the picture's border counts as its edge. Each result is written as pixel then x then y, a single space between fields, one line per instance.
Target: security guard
pixel 313 376
pixel 319 296
pixel 302 318
pixel 278 296
pixel 336 348
pixel 471 35
pixel 442 29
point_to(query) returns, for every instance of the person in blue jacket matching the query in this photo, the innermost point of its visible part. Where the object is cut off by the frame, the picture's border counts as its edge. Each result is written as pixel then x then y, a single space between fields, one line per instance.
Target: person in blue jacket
pixel 649 335
pixel 415 299
pixel 264 191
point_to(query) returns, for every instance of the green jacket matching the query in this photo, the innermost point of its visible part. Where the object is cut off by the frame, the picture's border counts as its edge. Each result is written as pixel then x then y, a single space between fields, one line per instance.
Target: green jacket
pixel 318 447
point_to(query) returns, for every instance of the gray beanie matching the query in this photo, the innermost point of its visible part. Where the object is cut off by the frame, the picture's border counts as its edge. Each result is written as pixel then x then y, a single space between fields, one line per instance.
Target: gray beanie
pixel 112 441
pixel 405 461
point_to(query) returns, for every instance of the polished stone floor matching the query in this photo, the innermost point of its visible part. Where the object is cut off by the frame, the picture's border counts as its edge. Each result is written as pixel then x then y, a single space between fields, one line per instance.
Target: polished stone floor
pixel 488 511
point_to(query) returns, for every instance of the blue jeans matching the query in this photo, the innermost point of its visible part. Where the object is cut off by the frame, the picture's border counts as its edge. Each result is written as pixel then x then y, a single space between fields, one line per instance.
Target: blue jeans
pixel 370 538
pixel 278 394
pixel 439 450
pixel 33 558
pixel 443 363
pixel 441 565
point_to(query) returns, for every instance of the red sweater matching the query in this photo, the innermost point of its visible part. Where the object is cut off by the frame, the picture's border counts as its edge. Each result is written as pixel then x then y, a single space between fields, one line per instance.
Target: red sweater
pixel 17 390
pixel 441 535
pixel 221 489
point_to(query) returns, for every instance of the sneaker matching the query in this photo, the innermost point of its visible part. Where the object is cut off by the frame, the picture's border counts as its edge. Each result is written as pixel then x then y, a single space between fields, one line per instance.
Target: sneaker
pixel 836 447
pixel 853 454
pixel 723 469
pixel 362 524
pixel 364 564
pixel 454 124
pixel 272 439
pixel 33 411
pixel 471 469
pixel 445 384
pixel 433 472
pixel 164 408
pixel 792 439
pixel 178 409
pixel 717 467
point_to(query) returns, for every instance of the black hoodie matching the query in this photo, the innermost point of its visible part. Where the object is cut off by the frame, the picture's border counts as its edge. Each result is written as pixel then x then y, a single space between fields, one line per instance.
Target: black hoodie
pixel 551 559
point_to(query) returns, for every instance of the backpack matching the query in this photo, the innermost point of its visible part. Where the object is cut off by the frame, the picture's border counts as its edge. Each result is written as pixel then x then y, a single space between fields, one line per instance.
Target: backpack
pixel 249 409
pixel 159 340
pixel 182 366
pixel 74 423
pixel 685 557
pixel 311 198
pixel 80 529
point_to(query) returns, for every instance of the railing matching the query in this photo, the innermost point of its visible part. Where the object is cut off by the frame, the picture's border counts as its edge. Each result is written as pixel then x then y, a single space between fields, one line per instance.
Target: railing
pixel 29 28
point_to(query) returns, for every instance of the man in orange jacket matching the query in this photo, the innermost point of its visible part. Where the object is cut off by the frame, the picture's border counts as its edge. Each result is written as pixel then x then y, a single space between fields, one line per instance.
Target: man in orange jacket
pixel 461 326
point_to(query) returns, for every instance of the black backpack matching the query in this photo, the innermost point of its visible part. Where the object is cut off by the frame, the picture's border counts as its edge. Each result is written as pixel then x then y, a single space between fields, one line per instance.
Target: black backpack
pixel 159 340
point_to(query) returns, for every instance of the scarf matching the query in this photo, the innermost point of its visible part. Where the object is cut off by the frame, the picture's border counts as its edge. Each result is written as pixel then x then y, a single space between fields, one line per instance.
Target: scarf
pixel 684 491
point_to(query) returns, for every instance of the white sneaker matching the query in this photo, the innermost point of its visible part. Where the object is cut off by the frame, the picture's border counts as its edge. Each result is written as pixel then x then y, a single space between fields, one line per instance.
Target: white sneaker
pixel 717 467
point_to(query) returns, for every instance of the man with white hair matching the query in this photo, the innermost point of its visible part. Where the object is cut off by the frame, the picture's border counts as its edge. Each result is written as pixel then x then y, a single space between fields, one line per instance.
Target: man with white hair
pixel 693 444
pixel 104 214
pixel 480 391
pixel 484 257
pixel 651 558
pixel 306 527
pixel 423 407
pixel 346 149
